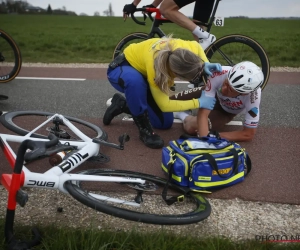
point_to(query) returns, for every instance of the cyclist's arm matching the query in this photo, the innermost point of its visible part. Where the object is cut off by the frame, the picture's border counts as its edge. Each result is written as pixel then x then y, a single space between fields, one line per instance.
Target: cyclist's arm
pixel 136 2
pixel 251 120
pixel 247 134
pixel 202 122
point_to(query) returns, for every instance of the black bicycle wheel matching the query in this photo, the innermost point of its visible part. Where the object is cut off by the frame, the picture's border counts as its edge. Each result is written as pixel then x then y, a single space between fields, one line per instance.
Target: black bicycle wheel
pixel 10 58
pixel 129 39
pixel 153 209
pixel 21 122
pixel 232 49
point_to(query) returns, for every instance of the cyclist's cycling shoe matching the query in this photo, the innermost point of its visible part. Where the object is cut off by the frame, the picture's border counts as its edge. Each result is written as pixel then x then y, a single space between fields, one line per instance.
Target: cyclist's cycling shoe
pixel 206 42
pixel 117 107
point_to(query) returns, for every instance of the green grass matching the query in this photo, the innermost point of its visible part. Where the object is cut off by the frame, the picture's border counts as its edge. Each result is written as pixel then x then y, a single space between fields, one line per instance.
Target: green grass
pixel 93 239
pixel 80 39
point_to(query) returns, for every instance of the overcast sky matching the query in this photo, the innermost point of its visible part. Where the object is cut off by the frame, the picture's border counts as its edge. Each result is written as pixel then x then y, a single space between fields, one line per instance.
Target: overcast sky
pixel 250 8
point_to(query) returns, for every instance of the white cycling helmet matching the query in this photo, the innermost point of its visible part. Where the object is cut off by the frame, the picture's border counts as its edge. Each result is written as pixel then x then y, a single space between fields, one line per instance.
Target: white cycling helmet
pixel 245 77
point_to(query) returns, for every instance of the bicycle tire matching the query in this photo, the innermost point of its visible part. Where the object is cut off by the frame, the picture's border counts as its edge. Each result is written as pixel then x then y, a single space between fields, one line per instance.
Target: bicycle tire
pixel 7 120
pixel 236 56
pixel 202 207
pixel 125 41
pixel 16 63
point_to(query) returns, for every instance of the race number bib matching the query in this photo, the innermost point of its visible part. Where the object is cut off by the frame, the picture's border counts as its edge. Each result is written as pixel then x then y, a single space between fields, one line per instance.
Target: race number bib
pixel 219 21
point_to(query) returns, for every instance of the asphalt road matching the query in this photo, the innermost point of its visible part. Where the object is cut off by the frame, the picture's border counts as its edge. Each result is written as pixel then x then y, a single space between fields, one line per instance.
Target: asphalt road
pixel 274 152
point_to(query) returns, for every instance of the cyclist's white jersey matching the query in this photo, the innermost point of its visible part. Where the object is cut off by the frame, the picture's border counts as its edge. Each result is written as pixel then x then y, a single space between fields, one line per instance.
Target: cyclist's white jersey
pixel 245 104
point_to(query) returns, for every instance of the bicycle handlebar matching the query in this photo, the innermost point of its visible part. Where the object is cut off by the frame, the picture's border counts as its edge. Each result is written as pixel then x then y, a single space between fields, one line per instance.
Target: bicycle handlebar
pixel 149 11
pixel 146 12
pixel 16 195
pixel 38 148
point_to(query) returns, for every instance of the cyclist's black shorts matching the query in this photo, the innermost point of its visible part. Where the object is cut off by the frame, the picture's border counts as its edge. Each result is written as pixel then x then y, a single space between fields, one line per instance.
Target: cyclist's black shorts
pixel 202 9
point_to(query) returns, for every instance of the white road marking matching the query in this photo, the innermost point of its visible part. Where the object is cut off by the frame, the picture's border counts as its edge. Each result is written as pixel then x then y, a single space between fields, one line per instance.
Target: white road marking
pixel 65 79
pixel 50 78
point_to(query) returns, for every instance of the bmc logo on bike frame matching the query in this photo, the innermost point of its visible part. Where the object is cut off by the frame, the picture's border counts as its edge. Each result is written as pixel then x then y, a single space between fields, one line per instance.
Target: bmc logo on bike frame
pixel 41 183
pixel 72 160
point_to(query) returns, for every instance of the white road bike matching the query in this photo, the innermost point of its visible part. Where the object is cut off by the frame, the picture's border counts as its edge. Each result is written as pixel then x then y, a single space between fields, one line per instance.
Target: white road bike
pixel 129 195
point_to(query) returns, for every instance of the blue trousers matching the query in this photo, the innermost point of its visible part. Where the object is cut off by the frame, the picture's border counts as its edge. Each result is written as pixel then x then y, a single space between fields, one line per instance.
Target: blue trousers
pixel 134 85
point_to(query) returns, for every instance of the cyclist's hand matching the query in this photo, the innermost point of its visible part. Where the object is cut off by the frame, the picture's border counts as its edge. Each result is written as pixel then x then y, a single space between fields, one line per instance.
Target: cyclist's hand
pixel 149 6
pixel 206 102
pixel 128 9
pixel 209 68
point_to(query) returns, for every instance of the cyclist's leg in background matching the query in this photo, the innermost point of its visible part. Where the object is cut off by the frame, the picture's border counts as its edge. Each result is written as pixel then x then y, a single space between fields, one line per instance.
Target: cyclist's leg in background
pixel 202 10
pixel 170 10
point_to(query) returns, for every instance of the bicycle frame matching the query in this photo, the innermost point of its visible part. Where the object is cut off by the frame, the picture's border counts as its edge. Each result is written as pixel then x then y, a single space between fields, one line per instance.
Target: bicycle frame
pixel 56 176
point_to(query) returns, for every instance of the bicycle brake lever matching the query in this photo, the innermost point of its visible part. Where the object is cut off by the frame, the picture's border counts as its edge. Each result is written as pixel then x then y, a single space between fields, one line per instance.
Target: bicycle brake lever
pixel 39 148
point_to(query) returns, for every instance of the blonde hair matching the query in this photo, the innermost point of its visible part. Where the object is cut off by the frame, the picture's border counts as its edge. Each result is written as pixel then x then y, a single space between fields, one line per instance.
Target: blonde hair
pixel 170 63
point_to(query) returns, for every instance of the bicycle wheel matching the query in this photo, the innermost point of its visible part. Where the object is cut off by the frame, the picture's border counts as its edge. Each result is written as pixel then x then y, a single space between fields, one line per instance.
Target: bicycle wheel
pixel 21 122
pixel 232 49
pixel 153 209
pixel 129 39
pixel 10 58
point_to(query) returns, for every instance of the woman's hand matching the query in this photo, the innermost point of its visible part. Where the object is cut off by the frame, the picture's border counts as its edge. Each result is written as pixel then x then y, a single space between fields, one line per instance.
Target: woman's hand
pixel 209 68
pixel 206 102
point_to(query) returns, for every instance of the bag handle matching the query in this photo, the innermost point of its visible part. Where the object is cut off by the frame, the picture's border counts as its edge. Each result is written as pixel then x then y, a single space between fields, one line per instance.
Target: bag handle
pixel 172 199
pixel 248 163
pixel 214 165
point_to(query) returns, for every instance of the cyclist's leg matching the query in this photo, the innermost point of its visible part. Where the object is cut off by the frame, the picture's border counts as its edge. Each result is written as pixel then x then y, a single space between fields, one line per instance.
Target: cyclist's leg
pixel 170 10
pixel 202 10
pixel 219 117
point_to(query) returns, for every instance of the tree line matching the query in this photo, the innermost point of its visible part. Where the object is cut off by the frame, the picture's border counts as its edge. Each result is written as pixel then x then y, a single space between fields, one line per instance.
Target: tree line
pixel 22 7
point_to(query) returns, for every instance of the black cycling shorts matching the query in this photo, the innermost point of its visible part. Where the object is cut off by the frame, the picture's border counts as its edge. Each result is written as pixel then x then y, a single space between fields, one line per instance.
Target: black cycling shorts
pixel 202 9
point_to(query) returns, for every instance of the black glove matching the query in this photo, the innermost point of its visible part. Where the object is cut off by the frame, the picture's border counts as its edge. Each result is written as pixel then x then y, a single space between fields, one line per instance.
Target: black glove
pixel 149 6
pixel 129 8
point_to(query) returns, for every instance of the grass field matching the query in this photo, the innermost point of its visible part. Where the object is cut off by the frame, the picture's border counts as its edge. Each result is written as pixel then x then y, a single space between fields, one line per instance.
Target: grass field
pixel 55 238
pixel 84 39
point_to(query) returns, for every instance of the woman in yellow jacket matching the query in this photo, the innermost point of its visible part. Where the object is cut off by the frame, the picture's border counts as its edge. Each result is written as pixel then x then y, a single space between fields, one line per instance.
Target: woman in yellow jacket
pixel 145 72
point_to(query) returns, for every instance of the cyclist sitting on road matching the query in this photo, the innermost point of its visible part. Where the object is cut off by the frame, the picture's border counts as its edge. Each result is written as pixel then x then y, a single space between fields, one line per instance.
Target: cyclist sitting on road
pixel 237 90
pixel 145 73
pixel 170 10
